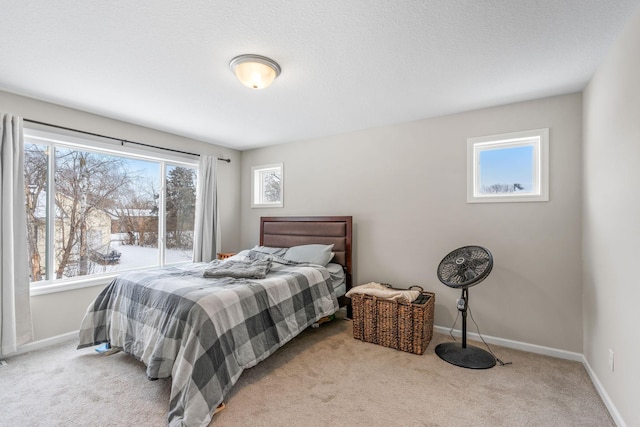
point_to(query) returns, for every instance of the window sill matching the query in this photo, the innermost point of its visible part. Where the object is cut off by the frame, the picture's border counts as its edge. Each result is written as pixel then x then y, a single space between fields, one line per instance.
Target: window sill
pixel 72 285
pixel 102 280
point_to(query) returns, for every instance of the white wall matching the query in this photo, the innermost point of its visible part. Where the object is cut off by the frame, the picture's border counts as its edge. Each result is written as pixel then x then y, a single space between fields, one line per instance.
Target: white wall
pixel 405 186
pixel 56 314
pixel 611 231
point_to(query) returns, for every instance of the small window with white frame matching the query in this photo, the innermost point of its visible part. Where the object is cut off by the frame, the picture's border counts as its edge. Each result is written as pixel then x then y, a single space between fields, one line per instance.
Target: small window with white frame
pixel 267 190
pixel 511 167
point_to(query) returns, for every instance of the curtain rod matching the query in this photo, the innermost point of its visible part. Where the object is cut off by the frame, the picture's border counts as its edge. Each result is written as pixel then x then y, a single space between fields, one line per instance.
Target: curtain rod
pixel 122 141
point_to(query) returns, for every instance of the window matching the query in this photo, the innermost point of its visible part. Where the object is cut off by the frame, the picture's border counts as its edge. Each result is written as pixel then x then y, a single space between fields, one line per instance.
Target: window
pixel 94 209
pixel 180 212
pixel 512 167
pixel 267 189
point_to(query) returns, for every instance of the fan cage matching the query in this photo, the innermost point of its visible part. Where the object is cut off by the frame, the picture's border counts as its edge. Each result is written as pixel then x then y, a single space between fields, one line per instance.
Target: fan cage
pixel 466 266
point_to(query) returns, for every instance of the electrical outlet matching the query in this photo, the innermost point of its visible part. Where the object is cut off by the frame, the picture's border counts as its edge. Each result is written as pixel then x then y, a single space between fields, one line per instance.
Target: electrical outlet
pixel 611 360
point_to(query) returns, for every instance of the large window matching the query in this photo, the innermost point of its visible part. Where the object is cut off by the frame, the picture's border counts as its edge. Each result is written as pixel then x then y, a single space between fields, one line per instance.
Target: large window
pixel 94 209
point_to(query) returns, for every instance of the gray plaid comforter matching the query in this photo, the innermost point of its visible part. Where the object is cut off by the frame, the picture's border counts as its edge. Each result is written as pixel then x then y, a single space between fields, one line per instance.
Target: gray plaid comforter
pixel 204 332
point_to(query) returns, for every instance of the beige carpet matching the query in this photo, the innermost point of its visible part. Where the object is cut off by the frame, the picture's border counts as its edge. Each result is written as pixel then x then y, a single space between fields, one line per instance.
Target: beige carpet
pixel 324 377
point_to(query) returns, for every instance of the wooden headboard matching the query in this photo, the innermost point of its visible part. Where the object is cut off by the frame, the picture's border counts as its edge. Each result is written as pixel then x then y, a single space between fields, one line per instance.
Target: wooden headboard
pixel 284 232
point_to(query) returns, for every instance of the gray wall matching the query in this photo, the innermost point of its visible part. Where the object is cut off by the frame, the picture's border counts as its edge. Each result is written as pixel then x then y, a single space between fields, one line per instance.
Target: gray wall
pixel 59 313
pixel 611 229
pixel 405 186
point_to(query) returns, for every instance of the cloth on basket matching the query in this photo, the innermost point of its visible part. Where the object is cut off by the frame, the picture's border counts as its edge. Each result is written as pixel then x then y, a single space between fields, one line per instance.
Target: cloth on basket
pixel 381 291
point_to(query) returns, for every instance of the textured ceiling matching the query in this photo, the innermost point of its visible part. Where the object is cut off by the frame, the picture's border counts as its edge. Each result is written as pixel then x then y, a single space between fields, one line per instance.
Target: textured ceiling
pixel 346 64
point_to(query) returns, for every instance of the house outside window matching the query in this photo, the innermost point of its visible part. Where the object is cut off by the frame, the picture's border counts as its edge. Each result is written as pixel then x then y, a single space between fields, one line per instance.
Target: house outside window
pixel 95 209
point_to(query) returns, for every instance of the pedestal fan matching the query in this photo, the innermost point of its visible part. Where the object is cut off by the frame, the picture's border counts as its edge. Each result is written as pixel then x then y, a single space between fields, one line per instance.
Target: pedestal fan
pixel 460 269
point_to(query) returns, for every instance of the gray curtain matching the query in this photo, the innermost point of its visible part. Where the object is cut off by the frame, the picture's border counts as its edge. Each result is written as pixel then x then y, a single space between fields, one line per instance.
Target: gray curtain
pixel 15 301
pixel 206 239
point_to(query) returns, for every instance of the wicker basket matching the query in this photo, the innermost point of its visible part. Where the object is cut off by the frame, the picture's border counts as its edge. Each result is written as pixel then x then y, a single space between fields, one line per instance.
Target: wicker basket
pixel 403 326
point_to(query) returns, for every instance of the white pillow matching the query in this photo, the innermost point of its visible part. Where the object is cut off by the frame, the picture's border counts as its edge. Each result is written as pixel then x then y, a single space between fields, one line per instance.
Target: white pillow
pixel 240 256
pixel 313 254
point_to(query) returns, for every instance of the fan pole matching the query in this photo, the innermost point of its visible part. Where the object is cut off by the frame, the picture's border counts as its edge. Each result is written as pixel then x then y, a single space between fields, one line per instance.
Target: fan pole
pixel 465 300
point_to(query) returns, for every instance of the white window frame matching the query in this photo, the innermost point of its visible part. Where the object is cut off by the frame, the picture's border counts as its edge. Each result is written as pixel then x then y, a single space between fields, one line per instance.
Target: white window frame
pixel 537 138
pixel 257 187
pixel 76 141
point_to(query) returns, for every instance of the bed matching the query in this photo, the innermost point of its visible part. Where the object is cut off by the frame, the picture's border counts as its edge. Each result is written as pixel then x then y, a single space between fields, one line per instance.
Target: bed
pixel 203 332
pixel 336 230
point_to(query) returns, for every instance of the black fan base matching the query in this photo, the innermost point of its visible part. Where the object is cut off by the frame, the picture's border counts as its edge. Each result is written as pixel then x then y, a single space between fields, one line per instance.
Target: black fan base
pixel 467 357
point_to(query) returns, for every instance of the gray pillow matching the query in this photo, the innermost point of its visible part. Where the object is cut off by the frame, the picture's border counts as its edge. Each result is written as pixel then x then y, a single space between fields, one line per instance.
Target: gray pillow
pixel 335 268
pixel 270 250
pixel 314 254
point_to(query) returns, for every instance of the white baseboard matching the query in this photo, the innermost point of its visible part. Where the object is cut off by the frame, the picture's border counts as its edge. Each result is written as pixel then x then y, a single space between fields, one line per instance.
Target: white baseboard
pixel 547 351
pixel 517 345
pixel 47 342
pixel 617 418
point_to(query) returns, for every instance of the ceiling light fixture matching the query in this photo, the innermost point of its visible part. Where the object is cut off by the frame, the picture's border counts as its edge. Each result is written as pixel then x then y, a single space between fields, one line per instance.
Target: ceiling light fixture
pixel 255 71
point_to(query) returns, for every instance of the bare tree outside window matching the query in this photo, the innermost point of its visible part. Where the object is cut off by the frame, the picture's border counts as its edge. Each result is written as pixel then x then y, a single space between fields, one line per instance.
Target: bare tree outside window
pixel 98 212
pixel 501 188
pixel 272 185
pixel 85 183
pixel 35 173
pixel 267 186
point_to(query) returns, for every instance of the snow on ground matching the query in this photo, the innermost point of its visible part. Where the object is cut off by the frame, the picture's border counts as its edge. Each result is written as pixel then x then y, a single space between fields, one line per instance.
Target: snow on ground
pixel 140 256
